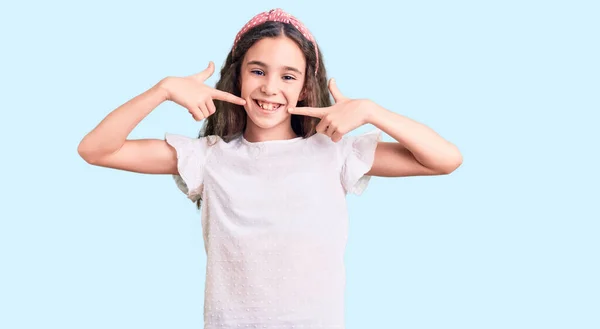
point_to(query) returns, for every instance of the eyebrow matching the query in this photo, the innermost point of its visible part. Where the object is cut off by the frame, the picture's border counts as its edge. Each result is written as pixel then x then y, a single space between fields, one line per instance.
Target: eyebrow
pixel 287 68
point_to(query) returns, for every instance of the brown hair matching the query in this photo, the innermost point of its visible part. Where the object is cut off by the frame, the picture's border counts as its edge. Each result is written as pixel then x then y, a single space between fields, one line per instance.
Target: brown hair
pixel 229 120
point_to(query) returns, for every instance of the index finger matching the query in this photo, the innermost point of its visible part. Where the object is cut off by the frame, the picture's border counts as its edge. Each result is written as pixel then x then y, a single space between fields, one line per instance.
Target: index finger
pixel 317 112
pixel 228 97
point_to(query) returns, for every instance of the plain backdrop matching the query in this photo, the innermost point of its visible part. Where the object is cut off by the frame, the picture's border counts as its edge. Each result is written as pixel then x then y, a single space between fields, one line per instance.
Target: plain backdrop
pixel 509 240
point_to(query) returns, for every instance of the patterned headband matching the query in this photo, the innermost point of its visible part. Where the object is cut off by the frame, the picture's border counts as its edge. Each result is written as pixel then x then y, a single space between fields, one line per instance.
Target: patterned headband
pixel 278 15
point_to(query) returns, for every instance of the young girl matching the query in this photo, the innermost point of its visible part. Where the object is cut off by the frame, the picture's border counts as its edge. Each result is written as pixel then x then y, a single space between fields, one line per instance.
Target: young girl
pixel 270 171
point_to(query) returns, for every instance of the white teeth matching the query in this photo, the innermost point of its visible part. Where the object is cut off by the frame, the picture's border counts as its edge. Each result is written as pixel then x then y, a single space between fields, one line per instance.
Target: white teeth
pixel 268 106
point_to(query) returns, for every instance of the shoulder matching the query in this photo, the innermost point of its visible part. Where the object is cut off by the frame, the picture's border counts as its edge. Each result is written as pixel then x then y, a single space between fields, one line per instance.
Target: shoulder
pixel 187 144
pixel 366 141
pixel 193 154
pixel 182 139
pixel 358 156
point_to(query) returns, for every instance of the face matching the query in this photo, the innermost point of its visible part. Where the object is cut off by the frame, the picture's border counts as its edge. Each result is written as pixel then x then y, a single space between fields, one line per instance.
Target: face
pixel 272 77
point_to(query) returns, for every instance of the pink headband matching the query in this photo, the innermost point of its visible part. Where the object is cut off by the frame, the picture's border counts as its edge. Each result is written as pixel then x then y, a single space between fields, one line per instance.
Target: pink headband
pixel 278 15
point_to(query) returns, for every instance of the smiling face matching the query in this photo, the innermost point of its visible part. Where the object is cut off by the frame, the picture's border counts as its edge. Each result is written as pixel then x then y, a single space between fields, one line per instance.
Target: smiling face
pixel 272 77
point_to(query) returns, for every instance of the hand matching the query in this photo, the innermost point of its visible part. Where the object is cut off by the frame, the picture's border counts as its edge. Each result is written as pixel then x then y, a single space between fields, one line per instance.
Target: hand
pixel 339 119
pixel 191 93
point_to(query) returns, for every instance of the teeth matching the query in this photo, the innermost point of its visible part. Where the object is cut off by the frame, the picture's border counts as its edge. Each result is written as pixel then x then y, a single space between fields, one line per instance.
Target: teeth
pixel 268 106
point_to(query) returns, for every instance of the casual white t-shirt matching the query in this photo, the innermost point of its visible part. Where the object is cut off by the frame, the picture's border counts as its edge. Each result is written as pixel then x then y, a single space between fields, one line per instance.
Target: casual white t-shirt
pixel 275 222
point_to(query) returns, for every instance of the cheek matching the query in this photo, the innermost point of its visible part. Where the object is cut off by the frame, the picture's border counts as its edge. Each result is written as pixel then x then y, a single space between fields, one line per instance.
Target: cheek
pixel 293 92
pixel 243 87
pixel 247 85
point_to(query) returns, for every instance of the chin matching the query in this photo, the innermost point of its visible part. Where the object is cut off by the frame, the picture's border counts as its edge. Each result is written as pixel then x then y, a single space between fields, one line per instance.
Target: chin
pixel 268 123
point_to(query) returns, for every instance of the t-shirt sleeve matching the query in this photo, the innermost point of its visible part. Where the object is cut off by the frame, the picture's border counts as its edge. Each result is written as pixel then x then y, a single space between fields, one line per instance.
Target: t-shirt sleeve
pixel 358 154
pixel 191 160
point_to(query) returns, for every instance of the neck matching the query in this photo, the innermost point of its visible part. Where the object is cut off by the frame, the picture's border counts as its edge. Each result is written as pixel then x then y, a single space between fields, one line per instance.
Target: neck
pixel 255 134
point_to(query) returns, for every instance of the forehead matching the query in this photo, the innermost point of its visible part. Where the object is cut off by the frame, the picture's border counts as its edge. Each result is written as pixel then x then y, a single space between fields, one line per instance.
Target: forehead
pixel 277 53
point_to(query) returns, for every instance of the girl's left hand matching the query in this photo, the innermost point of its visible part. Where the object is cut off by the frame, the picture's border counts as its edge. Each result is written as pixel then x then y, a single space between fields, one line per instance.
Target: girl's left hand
pixel 342 117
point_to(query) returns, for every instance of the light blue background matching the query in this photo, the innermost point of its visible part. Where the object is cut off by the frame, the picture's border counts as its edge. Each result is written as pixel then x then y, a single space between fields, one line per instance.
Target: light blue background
pixel 510 240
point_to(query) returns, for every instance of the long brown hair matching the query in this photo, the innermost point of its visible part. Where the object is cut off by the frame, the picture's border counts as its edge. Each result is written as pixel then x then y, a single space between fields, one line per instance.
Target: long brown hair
pixel 229 120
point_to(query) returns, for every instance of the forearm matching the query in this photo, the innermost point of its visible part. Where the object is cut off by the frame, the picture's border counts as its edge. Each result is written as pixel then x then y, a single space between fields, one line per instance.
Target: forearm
pixel 111 133
pixel 428 147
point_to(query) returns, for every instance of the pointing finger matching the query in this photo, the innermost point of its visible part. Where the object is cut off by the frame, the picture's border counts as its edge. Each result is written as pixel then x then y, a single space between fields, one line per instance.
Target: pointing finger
pixel 227 97
pixel 317 112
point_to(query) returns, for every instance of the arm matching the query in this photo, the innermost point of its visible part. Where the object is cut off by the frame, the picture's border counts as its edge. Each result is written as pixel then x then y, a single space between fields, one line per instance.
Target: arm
pixel 107 144
pixel 419 150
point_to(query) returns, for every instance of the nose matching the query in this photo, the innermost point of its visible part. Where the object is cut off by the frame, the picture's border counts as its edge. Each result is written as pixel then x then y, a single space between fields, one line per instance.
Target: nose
pixel 270 86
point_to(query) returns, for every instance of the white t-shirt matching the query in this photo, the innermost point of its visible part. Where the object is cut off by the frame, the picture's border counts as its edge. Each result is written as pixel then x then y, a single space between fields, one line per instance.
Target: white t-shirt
pixel 275 222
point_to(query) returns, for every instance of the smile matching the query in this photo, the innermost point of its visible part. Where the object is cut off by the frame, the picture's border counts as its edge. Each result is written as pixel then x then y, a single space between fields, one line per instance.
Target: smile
pixel 268 106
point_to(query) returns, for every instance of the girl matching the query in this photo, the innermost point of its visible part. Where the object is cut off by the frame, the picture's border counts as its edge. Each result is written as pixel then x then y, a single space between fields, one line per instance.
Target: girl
pixel 271 167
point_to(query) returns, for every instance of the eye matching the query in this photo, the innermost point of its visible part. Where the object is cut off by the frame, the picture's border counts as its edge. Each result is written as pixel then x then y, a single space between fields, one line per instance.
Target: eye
pixel 288 77
pixel 258 72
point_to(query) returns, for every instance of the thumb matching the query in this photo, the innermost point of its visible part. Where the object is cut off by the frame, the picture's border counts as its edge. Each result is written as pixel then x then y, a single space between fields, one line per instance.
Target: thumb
pixel 335 92
pixel 202 76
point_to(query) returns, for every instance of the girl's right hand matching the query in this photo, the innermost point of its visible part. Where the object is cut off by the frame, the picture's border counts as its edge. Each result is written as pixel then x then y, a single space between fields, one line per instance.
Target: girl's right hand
pixel 192 93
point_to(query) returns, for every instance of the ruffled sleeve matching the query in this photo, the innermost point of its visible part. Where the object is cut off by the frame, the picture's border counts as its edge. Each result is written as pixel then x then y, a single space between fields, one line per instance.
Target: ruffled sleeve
pixel 358 154
pixel 191 158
